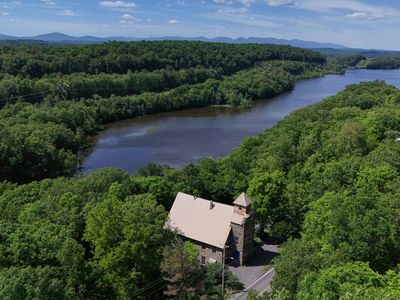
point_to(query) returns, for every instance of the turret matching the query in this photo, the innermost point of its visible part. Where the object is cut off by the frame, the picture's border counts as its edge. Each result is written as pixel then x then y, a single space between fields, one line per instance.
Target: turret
pixel 242 205
pixel 242 224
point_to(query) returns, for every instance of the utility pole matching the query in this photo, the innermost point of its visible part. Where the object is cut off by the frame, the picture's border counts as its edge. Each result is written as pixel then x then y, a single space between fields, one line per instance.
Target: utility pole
pixel 223 268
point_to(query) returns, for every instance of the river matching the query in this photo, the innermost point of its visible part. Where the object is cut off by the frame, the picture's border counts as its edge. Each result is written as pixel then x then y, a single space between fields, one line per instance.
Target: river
pixel 181 137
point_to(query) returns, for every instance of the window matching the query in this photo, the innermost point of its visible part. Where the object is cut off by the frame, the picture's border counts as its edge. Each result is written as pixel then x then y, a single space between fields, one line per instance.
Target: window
pixel 236 240
pixel 240 208
pixel 203 247
pixel 203 260
pixel 214 249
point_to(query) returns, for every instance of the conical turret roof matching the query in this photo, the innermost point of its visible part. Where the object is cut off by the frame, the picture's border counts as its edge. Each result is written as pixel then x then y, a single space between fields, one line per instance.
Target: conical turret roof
pixel 242 200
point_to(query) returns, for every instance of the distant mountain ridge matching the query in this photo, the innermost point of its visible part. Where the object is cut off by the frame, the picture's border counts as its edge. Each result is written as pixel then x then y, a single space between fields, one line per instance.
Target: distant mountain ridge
pixel 7 37
pixel 56 37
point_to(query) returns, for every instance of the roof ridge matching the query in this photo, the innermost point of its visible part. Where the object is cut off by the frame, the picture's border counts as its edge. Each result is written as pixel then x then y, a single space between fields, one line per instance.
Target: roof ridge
pixel 203 199
pixel 194 219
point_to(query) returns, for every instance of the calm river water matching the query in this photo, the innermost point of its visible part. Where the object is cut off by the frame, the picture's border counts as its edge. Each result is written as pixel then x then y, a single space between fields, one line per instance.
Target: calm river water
pixel 181 137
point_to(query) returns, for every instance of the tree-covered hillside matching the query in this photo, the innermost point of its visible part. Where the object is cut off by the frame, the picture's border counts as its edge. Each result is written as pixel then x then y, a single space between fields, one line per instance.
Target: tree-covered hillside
pixel 49 111
pixel 326 178
pixel 32 73
pixel 119 57
pixel 385 63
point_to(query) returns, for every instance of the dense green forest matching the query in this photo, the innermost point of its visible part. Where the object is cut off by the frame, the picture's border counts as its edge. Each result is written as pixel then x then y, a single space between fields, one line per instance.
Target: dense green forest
pixel 32 73
pixel 326 179
pixel 363 59
pixel 50 111
pixel 386 63
pixel 119 57
pixel 95 237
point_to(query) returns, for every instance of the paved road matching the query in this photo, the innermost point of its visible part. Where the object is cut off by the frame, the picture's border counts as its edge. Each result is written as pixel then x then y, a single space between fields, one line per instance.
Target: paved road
pixel 254 268
pixel 262 284
pixel 252 275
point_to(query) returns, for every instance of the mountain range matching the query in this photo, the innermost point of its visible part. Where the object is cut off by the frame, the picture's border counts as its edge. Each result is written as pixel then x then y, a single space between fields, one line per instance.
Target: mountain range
pixel 57 37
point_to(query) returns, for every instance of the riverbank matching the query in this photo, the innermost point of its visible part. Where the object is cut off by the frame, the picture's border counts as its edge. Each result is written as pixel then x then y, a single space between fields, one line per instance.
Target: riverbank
pixel 45 140
pixel 184 136
pixel 268 80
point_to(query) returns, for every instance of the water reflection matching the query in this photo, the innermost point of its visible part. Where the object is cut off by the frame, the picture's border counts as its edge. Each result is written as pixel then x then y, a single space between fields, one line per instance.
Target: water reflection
pixel 177 138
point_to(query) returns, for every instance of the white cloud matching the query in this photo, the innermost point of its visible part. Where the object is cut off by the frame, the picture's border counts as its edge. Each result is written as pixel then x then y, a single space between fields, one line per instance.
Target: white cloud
pixel 48 2
pixel 363 16
pixel 117 4
pixel 243 18
pixel 128 19
pixel 343 5
pixel 242 10
pixel 125 22
pixel 223 1
pixel 280 2
pixel 244 2
pixel 127 16
pixel 247 2
pixel 357 10
pixel 5 13
pixel 68 13
pixel 172 21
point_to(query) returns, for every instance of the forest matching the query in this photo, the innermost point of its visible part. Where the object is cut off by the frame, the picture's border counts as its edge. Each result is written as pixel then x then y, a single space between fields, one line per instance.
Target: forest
pixel 47 118
pixel 32 73
pixel 363 59
pixel 386 63
pixel 324 180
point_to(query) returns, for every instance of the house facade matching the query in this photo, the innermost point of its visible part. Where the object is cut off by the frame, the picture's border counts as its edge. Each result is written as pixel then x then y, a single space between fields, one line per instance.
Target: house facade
pixel 213 226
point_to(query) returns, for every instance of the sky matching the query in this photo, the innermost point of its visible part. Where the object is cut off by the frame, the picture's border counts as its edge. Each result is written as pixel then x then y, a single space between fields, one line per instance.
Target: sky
pixel 360 24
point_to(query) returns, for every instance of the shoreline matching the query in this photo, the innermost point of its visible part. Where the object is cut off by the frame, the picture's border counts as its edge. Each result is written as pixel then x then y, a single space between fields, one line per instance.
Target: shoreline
pixel 87 149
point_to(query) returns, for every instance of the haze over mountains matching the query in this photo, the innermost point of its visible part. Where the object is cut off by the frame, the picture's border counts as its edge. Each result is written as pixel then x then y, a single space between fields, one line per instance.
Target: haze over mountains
pixel 56 37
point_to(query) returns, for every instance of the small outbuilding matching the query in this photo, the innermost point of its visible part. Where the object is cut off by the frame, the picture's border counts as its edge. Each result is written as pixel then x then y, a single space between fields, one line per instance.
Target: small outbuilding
pixel 214 226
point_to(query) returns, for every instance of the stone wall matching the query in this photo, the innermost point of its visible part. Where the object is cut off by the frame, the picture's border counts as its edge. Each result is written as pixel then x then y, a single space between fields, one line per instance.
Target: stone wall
pixel 238 232
pixel 248 242
pixel 244 234
pixel 208 251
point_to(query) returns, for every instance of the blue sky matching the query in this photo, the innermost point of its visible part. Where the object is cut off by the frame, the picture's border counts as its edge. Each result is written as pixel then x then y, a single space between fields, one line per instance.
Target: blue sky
pixel 364 24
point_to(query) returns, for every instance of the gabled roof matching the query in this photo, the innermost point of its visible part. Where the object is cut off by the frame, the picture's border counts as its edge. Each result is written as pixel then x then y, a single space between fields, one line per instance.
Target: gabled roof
pixel 242 200
pixel 194 219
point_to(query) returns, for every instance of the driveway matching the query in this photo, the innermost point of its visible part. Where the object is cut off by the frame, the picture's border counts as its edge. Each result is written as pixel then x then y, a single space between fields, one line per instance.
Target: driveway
pixel 253 274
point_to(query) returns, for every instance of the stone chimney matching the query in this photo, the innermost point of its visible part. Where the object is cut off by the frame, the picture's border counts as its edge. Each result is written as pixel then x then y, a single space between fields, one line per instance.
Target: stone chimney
pixel 211 205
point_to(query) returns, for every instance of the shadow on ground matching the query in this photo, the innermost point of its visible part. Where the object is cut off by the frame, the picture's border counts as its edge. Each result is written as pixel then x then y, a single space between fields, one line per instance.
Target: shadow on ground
pixel 255 266
pixel 261 257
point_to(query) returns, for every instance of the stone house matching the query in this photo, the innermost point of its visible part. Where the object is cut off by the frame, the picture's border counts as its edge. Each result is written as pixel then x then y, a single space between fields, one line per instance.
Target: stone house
pixel 213 226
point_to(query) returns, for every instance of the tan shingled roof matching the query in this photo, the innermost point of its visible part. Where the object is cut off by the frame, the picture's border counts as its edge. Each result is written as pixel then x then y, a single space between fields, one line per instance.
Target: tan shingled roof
pixel 194 219
pixel 242 200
